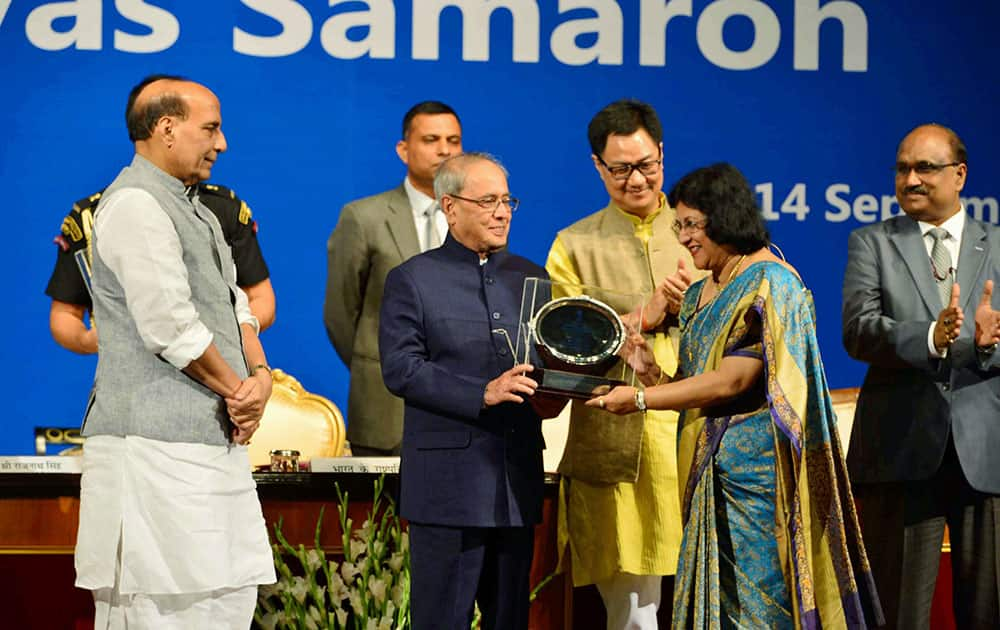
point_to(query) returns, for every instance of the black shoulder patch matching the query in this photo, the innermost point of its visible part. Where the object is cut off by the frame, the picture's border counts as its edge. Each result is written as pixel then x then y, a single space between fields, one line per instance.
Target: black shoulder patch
pixel 217 190
pixel 88 202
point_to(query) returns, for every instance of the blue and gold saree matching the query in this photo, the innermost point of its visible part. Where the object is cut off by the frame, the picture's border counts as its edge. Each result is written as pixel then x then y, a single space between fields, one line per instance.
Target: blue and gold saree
pixel 771 536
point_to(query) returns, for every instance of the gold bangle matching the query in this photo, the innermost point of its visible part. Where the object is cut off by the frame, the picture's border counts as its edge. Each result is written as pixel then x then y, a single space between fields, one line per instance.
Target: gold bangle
pixel 260 366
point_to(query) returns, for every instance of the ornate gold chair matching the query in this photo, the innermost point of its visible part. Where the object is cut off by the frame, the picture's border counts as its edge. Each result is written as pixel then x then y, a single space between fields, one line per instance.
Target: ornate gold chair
pixel 299 420
pixel 844 401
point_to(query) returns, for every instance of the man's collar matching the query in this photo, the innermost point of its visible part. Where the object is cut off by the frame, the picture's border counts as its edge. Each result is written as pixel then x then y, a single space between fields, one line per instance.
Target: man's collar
pixel 459 251
pixel 636 219
pixel 953 224
pixel 418 200
pixel 172 183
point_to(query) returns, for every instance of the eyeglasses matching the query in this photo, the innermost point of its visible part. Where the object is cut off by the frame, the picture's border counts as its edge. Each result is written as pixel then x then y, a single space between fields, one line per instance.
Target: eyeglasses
pixel 688 226
pixel 922 168
pixel 621 172
pixel 491 203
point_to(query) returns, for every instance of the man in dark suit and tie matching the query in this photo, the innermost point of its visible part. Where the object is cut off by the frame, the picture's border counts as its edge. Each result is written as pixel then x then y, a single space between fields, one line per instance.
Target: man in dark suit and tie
pixel 926 432
pixel 471 465
pixel 372 236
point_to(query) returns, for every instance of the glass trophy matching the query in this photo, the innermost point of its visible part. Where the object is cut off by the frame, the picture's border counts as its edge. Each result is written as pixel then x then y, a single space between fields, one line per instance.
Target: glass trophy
pixel 574 336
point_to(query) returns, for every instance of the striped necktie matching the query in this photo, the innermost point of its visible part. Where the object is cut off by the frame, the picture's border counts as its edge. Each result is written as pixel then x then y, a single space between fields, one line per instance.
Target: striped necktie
pixel 431 238
pixel 941 264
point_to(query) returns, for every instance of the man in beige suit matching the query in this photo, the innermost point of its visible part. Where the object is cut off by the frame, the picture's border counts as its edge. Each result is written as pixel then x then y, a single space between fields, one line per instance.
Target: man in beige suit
pixel 374 235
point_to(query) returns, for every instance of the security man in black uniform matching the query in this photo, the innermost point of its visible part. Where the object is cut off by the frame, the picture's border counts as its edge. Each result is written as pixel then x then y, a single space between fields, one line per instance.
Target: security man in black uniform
pixel 69 285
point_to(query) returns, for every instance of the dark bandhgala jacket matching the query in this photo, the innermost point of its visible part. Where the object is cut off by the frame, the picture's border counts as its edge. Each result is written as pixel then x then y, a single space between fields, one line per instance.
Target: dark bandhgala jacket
pixel 461 465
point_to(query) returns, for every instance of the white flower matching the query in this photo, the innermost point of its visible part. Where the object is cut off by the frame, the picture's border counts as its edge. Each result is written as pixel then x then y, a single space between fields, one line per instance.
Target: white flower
pixel 377 589
pixel 396 562
pixel 311 624
pixel 349 570
pixel 315 614
pixel 371 625
pixel 265 591
pixel 342 617
pixel 357 605
pixel 390 610
pixel 378 547
pixel 314 560
pixel 299 589
pixel 404 541
pixel 338 590
pixel 385 623
pixel 357 548
pixel 398 592
pixel 366 529
pixel 269 621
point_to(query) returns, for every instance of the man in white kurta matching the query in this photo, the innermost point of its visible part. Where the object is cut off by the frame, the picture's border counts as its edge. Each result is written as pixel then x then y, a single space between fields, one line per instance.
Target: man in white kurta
pixel 171 532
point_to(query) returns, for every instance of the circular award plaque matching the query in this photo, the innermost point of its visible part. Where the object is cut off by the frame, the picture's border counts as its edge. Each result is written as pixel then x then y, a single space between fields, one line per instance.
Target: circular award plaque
pixel 578 334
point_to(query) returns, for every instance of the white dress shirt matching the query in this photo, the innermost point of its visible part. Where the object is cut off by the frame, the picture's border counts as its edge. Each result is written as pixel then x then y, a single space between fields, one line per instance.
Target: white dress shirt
pixel 954 226
pixel 418 204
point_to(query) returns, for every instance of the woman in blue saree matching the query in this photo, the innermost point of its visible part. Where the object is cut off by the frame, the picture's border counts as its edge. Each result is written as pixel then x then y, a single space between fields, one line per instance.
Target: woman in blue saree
pixel 771 536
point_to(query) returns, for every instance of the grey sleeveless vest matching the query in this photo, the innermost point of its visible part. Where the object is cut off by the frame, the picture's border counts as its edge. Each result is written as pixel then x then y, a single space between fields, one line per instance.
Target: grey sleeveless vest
pixel 135 391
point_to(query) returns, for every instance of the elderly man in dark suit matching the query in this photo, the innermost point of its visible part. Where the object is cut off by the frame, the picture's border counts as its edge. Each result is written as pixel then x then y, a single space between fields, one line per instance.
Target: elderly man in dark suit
pixel 372 236
pixel 471 466
pixel 926 432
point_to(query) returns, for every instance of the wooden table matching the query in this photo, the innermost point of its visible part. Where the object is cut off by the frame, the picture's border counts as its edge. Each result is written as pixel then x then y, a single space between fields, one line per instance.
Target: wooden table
pixel 39 517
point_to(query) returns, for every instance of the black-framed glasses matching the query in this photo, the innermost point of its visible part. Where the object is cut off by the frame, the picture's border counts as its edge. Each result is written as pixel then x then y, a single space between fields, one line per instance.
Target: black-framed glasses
pixel 923 167
pixel 621 172
pixel 491 203
pixel 688 226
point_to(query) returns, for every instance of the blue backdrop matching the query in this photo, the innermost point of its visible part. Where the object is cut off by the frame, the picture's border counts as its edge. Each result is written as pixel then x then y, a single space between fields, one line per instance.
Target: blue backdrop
pixel 808 98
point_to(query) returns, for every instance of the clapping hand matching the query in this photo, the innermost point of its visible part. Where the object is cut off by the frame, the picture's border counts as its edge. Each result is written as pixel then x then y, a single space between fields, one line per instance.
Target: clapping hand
pixel 667 298
pixel 987 319
pixel 949 321
pixel 675 286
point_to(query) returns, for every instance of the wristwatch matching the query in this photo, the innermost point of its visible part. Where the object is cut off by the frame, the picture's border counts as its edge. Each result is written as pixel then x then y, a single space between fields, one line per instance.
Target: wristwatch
pixel 640 399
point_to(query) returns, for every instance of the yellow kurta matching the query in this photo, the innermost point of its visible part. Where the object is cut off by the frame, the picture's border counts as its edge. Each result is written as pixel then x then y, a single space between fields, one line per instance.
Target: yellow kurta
pixel 625 527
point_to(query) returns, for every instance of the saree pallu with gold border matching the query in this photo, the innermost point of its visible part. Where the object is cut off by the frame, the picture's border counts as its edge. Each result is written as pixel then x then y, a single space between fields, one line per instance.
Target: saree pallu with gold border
pixel 771 535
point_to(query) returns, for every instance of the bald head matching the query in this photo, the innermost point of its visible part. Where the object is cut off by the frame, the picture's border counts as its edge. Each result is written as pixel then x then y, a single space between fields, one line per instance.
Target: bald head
pixel 931 167
pixel 142 112
pixel 958 151
pixel 177 125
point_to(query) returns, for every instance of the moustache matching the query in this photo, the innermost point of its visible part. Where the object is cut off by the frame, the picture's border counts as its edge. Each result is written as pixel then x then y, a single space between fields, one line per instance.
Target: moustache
pixel 915 190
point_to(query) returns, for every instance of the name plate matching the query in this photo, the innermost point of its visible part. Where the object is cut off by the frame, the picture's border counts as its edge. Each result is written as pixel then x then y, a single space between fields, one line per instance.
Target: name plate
pixel 372 465
pixel 35 464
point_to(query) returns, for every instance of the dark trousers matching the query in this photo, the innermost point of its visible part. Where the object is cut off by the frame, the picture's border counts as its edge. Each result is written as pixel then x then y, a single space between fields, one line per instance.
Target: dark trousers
pixel 451 568
pixel 903 529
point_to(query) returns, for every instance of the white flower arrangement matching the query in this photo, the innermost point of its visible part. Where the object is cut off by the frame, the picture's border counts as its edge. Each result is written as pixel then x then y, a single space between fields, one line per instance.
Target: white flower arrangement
pixel 368 590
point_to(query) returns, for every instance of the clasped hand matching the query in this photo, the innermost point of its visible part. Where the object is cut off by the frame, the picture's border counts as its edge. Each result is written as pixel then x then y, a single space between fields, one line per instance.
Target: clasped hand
pixel 246 405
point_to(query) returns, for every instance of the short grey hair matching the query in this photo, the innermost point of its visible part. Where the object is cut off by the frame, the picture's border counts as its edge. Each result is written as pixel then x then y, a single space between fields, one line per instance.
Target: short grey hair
pixel 450 176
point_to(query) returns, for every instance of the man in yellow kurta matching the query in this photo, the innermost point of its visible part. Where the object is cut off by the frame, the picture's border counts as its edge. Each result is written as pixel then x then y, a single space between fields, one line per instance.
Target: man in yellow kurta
pixel 620 512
